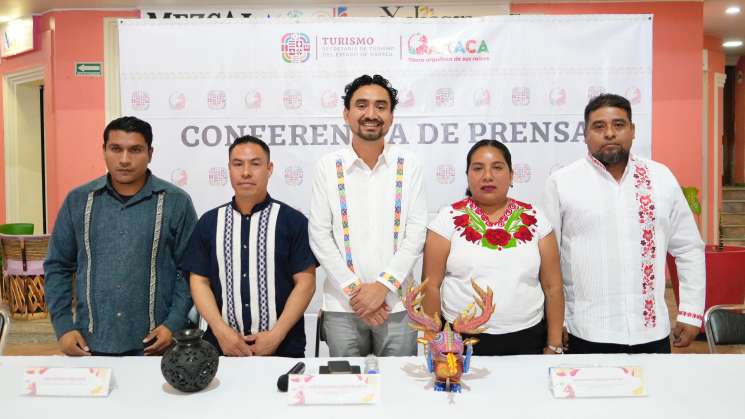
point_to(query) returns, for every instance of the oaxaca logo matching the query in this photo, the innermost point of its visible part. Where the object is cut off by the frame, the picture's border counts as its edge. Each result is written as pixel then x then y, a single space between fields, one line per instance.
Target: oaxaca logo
pixel 295 47
pixel 424 48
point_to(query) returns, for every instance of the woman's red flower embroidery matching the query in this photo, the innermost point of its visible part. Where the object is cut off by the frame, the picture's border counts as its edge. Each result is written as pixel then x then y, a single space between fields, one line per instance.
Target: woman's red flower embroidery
pixel 497 237
pixel 524 234
pixel 524 205
pixel 461 220
pixel 647 235
pixel 471 235
pixel 460 204
pixel 528 219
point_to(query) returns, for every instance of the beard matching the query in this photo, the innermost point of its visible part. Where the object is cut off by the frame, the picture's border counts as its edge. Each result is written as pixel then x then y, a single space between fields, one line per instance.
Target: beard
pixel 611 155
pixel 374 135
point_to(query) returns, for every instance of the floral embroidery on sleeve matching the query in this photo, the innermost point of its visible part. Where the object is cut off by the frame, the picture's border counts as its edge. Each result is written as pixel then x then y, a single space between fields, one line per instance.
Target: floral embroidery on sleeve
pixel 517 225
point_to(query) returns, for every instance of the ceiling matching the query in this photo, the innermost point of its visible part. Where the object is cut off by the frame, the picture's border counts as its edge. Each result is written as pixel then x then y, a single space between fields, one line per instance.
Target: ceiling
pixel 716 22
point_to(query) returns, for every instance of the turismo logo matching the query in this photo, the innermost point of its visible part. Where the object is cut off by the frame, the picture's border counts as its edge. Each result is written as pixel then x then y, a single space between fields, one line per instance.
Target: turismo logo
pixel 292 99
pixel 522 173
pixel 445 174
pixel 140 100
pixel 295 47
pixel 216 99
pixel 521 96
pixel 444 97
pixel 294 175
pixel 218 176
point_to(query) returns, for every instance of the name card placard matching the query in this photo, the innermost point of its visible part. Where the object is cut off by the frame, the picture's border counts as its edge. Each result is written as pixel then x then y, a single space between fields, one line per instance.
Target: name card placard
pixel 577 382
pixel 333 389
pixel 70 382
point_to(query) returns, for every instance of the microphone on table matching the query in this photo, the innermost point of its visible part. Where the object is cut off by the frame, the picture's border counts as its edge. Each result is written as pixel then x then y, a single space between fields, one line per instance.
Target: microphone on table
pixel 283 380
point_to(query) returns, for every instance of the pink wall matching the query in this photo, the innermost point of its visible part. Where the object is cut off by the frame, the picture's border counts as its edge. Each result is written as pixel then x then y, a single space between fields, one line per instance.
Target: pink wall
pixel 74 106
pixel 739 172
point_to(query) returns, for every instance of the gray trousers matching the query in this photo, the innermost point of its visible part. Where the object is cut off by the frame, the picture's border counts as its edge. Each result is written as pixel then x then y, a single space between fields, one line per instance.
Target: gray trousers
pixel 347 335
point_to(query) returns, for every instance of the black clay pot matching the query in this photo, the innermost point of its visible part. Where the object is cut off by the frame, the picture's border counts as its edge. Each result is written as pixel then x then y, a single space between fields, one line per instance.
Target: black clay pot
pixel 190 364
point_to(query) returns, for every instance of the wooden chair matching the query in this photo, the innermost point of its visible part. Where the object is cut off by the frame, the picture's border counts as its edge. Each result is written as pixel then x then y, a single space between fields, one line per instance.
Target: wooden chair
pixel 23 275
pixel 4 327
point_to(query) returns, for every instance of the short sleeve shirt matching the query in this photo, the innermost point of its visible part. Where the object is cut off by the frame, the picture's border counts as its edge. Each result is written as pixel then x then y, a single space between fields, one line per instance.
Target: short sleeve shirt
pixel 250 261
pixel 502 255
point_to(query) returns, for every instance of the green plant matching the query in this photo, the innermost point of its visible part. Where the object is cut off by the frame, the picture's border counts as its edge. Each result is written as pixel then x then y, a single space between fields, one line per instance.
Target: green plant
pixel 691 195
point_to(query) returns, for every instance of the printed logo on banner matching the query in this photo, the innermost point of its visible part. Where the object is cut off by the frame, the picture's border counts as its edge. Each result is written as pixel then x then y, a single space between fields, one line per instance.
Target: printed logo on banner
pixel 177 101
pixel 179 177
pixel 295 47
pixel 216 99
pixel 594 91
pixel 426 49
pixel 140 100
pixel 341 11
pixel 481 98
pixel 218 176
pixel 293 175
pixel 445 174
pixel 253 99
pixel 522 173
pixel 634 95
pixel 295 13
pixel 407 99
pixel 329 99
pixel 558 96
pixel 444 97
pixel 521 96
pixel 292 99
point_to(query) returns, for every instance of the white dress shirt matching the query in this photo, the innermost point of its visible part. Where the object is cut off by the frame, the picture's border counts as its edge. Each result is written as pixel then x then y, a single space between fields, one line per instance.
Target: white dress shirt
pixel 372 246
pixel 510 266
pixel 613 237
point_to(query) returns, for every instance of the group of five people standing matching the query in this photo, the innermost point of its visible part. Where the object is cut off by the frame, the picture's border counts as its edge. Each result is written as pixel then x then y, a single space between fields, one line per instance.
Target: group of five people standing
pixel 585 271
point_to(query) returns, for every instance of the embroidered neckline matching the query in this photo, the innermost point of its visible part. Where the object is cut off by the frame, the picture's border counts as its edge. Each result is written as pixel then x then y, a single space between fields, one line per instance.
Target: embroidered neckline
pixel 518 224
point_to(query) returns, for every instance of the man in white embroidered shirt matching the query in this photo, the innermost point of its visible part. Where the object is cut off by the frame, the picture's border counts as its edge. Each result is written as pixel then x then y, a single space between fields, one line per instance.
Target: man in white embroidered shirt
pixel 616 216
pixel 367 227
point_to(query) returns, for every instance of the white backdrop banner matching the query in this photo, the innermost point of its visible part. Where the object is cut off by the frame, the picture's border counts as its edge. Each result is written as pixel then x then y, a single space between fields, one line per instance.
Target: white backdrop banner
pixel 523 80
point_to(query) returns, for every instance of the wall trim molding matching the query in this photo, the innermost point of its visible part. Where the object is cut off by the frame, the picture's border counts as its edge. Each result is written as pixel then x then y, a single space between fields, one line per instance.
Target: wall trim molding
pixel 11 82
pixel 112 86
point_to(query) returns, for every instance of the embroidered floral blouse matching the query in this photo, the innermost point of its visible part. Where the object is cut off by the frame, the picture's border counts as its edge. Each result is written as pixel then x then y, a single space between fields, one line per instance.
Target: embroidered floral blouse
pixel 502 255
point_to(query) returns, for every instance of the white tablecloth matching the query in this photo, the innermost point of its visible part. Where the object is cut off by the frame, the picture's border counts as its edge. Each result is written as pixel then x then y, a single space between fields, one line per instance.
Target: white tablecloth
pixel 679 386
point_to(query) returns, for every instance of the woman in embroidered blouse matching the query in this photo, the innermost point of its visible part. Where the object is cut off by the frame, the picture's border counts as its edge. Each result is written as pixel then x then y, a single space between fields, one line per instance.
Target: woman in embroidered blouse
pixel 502 243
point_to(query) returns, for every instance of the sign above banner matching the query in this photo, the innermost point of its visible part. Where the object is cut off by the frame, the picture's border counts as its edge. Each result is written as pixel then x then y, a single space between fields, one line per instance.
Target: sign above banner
pixel 409 11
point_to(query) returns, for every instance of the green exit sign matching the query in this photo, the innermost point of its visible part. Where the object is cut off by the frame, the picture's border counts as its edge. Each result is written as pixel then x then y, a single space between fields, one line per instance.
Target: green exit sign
pixel 88 69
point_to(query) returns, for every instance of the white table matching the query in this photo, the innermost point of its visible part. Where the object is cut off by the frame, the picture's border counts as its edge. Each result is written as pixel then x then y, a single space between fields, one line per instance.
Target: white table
pixel 679 386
